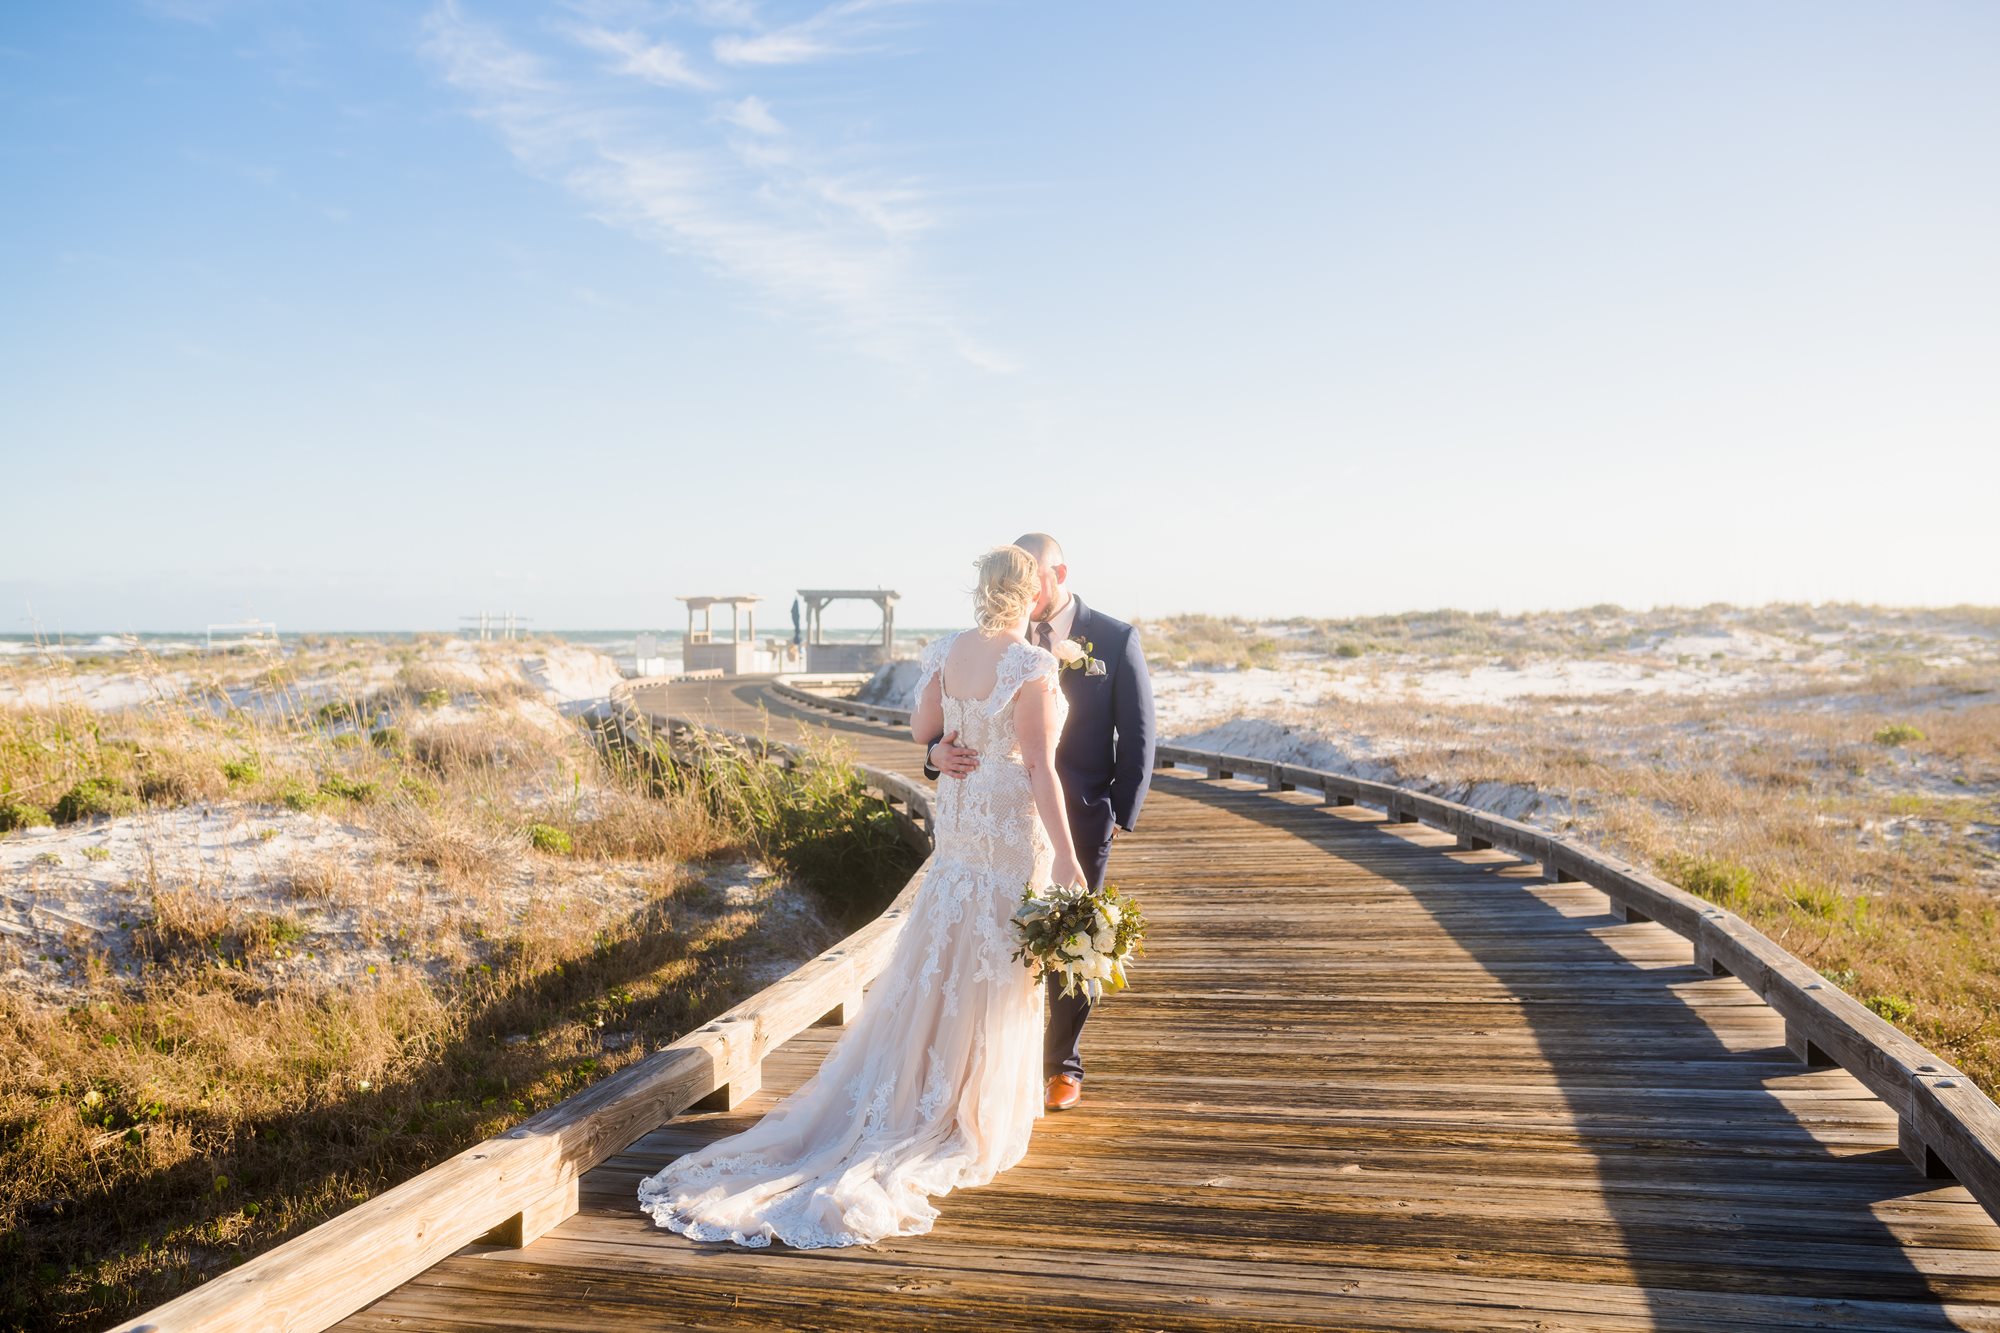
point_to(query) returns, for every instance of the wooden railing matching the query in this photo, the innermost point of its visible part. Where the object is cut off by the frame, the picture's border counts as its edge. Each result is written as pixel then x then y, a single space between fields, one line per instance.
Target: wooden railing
pixel 514 1187
pixel 1947 1126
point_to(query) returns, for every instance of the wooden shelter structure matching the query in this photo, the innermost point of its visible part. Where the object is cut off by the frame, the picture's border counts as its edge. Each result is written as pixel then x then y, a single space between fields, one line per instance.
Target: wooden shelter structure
pixel 733 656
pixel 824 656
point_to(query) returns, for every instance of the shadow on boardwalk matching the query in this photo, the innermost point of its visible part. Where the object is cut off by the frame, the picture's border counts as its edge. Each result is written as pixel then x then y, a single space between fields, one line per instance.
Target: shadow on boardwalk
pixel 1710 1191
pixel 1364 1081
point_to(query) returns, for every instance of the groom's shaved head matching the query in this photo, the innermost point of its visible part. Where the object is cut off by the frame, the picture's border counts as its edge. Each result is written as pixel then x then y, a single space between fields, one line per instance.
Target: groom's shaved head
pixel 1045 549
pixel 1051 570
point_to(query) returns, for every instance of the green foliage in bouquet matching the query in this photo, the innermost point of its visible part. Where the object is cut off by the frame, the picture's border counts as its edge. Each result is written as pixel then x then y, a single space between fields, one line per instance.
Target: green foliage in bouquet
pixel 1085 936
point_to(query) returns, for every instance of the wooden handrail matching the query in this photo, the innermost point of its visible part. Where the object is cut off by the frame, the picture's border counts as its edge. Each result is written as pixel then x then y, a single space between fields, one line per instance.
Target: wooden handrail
pixel 1946 1125
pixel 514 1187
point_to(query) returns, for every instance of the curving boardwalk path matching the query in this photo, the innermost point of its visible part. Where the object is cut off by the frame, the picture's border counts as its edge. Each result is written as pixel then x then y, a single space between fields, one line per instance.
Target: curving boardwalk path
pixel 1364 1080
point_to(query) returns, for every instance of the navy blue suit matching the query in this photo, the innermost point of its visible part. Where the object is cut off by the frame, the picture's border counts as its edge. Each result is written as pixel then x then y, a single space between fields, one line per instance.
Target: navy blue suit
pixel 1105 764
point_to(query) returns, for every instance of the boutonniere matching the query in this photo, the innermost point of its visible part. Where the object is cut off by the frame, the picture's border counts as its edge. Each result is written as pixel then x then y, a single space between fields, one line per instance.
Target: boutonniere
pixel 1072 655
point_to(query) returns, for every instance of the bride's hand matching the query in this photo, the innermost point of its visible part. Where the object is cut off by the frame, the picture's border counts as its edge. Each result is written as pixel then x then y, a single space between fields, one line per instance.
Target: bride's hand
pixel 1068 873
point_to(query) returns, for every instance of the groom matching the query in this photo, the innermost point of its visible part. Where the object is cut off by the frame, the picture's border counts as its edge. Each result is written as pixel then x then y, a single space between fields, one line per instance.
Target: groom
pixel 1105 762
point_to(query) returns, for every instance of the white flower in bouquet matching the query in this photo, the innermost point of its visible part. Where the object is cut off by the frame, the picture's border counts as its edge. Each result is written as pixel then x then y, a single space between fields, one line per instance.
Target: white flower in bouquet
pixel 1084 936
pixel 1069 652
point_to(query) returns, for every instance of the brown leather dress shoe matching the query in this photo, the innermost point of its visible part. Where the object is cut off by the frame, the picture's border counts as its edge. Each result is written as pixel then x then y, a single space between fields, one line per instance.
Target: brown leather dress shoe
pixel 1064 1091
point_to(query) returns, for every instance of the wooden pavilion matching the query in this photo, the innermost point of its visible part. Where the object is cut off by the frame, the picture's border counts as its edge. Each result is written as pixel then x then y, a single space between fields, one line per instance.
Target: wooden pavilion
pixel 733 656
pixel 824 656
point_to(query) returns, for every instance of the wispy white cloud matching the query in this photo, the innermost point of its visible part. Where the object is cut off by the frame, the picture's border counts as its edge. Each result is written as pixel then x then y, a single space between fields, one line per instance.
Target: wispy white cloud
pixel 895 210
pixel 734 190
pixel 656 62
pixel 752 113
pixel 784 47
pixel 724 13
pixel 837 30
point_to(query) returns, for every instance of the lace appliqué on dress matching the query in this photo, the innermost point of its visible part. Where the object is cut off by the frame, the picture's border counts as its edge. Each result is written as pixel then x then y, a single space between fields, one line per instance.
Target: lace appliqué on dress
pixel 939 1082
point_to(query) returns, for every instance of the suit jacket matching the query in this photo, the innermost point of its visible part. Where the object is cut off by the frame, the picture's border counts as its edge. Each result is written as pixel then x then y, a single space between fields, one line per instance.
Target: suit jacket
pixel 1105 757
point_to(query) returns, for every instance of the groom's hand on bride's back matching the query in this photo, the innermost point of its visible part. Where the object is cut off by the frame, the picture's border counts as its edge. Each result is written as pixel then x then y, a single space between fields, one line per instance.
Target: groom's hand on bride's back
pixel 952 759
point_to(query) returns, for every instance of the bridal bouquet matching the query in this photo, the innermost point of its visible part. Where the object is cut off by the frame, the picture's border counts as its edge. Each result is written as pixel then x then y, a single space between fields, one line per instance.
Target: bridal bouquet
pixel 1086 936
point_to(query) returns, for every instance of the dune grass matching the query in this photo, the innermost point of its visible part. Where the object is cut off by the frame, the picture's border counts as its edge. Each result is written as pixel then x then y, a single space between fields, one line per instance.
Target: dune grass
pixel 1842 793
pixel 1857 823
pixel 544 898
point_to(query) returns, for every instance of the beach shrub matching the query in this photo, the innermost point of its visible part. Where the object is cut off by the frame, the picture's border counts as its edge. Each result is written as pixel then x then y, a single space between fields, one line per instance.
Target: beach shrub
pixel 19 814
pixel 1816 899
pixel 241 770
pixel 1719 881
pixel 816 817
pixel 389 740
pixel 92 798
pixel 295 795
pixel 436 697
pixel 1892 1007
pixel 1898 733
pixel 348 789
pixel 549 838
pixel 419 789
pixel 172 776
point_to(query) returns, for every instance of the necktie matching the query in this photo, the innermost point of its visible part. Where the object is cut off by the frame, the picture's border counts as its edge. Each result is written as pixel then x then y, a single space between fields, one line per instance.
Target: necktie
pixel 1044 635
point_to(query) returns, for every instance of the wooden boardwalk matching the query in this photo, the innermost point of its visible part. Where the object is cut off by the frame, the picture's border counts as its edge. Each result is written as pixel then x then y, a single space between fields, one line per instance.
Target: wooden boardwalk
pixel 1364 1080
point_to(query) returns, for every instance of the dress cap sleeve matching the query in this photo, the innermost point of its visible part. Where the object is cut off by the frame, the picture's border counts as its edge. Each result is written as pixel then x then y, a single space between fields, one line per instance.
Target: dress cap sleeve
pixel 929 663
pixel 1024 663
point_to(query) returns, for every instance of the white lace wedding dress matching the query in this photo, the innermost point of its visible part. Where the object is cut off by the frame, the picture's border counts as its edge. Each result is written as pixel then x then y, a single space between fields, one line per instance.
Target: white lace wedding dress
pixel 938 1083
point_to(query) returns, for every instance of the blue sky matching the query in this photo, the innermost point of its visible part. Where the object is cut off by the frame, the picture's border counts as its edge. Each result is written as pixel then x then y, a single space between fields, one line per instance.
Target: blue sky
pixel 373 315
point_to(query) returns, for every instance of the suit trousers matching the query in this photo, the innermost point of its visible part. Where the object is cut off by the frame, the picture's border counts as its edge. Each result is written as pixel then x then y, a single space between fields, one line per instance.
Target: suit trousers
pixel 1062 1040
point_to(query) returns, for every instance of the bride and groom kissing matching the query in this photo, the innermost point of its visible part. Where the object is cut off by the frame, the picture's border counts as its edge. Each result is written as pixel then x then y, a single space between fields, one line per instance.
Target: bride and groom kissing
pixel 1038 727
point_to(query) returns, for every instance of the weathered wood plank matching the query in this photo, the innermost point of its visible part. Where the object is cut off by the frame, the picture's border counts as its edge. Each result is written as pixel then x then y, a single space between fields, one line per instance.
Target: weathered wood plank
pixel 1368 1078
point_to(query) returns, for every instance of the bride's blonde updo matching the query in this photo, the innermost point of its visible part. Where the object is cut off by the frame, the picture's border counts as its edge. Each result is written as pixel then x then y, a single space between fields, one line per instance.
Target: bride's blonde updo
pixel 1008 586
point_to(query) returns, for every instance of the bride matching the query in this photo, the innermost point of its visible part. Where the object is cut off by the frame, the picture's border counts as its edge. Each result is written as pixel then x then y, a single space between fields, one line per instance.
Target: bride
pixel 939 1082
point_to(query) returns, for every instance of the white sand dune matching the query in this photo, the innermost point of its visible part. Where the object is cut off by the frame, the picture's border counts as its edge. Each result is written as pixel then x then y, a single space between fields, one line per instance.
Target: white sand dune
pixel 574 678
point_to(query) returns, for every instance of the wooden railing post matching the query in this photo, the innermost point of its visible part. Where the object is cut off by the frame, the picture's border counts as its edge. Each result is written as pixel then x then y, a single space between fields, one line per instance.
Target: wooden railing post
pixel 538 1218
pixel 1920 1154
pixel 844 1013
pixel 1804 1047
pixel 1934 1103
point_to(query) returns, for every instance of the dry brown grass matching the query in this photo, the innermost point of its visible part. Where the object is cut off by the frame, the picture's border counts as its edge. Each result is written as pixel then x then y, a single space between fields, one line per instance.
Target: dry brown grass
pixel 1877 863
pixel 464 844
pixel 453 749
pixel 626 823
pixel 166 1133
pixel 323 878
pixel 168 1122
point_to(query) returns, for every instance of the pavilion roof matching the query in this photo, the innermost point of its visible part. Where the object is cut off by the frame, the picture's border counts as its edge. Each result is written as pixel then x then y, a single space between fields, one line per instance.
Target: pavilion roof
pixel 697 603
pixel 866 594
